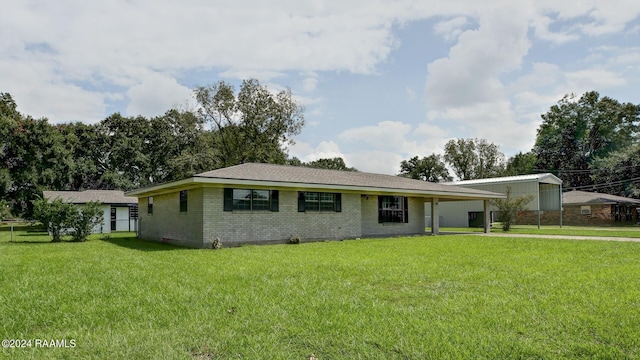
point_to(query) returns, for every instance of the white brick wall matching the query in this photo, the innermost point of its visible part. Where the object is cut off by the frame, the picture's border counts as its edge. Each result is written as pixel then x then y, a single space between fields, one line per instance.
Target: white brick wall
pixel 238 227
pixel 205 220
pixel 371 227
pixel 168 224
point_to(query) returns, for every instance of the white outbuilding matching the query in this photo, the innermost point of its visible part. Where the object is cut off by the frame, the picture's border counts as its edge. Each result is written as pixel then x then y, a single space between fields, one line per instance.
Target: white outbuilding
pixel 120 212
pixel 545 208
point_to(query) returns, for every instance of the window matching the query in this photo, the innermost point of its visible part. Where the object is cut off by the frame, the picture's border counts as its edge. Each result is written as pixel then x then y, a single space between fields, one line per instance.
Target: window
pixel 250 200
pixel 319 201
pixel 393 209
pixel 183 200
pixel 150 205
pixel 133 212
pixel 585 209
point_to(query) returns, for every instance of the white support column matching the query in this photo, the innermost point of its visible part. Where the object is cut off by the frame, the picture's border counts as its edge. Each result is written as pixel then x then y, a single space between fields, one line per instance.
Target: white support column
pixel 435 217
pixel 487 217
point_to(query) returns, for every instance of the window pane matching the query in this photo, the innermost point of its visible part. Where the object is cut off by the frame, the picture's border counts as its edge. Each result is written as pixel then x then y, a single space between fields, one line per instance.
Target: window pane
pixel 392 209
pixel 260 200
pixel 241 199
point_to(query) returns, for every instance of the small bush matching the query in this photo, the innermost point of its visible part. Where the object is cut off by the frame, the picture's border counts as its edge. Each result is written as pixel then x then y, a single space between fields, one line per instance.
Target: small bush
pixel 216 244
pixel 294 239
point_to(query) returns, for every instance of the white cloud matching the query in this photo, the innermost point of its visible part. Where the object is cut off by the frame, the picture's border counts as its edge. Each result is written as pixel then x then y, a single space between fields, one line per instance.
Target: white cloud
pixel 155 94
pixel 450 29
pixel 470 74
pixel 589 79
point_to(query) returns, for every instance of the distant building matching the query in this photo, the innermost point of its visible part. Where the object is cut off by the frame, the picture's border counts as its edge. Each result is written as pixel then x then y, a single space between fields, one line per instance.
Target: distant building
pixel 120 212
pixel 591 208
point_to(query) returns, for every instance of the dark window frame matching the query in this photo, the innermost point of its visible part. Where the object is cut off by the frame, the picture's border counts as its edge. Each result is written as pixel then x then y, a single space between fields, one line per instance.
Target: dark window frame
pixel 312 201
pixel 184 200
pixel 256 200
pixel 393 209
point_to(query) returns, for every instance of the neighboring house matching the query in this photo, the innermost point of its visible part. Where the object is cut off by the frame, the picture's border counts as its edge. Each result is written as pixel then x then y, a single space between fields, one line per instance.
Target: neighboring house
pixel 590 208
pixel 543 209
pixel 262 203
pixel 120 212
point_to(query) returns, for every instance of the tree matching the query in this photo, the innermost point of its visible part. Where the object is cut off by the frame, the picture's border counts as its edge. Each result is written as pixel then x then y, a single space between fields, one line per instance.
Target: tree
pixel 83 219
pixel 336 163
pixel 520 164
pixel 509 207
pixel 575 132
pixel 474 158
pixel 254 126
pixel 54 215
pixel 430 168
pixel 618 173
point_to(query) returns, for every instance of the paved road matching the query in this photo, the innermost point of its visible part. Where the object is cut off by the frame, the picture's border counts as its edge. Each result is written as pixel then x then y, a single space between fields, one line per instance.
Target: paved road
pixel 569 237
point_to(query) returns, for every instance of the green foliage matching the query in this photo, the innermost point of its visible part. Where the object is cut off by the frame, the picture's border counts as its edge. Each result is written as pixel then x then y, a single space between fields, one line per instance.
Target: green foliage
pixel 336 163
pixel 55 215
pixel 130 152
pixel 575 132
pixel 618 173
pixel 254 116
pixel 509 207
pixel 521 164
pixel 83 219
pixel 474 158
pixel 430 168
pixel 62 218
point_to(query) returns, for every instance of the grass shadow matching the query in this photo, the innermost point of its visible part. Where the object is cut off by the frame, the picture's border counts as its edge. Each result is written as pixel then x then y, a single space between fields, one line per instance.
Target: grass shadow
pixel 142 245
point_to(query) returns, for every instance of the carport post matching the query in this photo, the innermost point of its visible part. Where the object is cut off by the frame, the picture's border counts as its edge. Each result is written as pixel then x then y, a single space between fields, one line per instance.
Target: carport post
pixel 487 217
pixel 435 217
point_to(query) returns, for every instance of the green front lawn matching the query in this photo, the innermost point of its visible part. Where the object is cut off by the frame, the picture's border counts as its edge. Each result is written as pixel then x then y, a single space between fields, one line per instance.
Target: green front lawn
pixel 632 231
pixel 444 297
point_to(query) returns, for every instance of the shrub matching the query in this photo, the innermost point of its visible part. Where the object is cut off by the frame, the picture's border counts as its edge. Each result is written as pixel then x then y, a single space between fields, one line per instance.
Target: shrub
pixel 509 207
pixel 83 219
pixel 216 244
pixel 54 216
pixel 294 239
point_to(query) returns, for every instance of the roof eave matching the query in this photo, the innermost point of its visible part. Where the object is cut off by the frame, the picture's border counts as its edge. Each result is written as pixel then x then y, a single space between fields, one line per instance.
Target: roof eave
pixel 181 184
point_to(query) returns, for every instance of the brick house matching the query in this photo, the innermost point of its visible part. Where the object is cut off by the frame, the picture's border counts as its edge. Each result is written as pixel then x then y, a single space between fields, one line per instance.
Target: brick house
pixel 266 203
pixel 590 208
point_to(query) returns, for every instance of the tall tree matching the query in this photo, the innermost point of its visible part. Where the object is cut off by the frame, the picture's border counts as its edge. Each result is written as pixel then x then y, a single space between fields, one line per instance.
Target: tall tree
pixel 430 168
pixel 336 163
pixel 520 164
pixel 474 158
pixel 253 126
pixel 574 132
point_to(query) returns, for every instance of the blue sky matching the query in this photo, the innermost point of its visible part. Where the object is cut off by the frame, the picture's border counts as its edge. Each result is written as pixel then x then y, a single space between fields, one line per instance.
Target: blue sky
pixel 381 81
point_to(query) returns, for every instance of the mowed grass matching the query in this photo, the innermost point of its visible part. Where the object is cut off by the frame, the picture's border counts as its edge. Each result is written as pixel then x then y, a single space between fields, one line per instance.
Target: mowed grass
pixel 431 297
pixel 630 231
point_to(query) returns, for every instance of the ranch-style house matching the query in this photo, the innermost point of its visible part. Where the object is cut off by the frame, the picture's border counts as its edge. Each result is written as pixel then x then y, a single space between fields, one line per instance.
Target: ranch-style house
pixel 264 203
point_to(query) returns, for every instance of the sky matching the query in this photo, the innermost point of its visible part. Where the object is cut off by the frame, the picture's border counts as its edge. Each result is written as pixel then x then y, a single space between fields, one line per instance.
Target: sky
pixel 380 81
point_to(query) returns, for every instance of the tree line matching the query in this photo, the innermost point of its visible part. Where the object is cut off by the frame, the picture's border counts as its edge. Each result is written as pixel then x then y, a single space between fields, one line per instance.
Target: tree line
pixel 590 142
pixel 228 128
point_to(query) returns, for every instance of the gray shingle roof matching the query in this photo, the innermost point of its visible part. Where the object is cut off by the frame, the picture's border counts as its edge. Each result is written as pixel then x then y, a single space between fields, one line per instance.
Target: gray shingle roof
pixel 312 176
pixel 83 197
pixel 585 197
